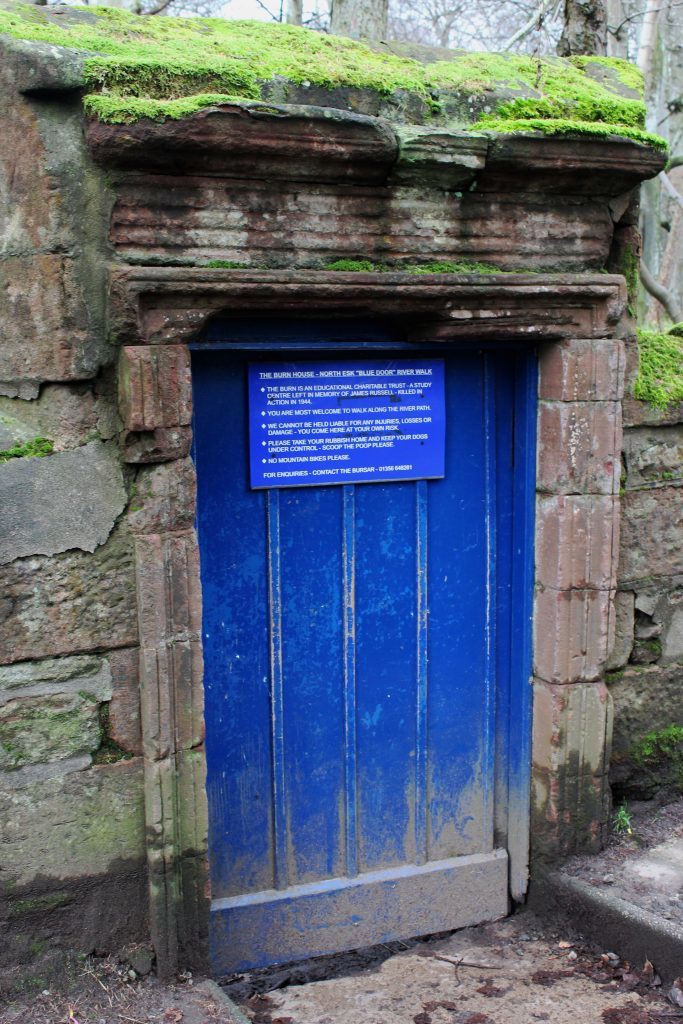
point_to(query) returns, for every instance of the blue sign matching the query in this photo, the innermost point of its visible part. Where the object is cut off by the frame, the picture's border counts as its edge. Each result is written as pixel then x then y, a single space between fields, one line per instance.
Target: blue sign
pixel 339 422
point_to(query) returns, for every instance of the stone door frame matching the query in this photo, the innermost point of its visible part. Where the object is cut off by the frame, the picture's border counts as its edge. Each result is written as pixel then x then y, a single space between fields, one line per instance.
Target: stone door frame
pixel 156 312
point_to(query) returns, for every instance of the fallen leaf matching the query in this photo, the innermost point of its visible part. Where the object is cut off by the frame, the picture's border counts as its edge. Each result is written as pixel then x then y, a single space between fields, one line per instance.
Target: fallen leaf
pixel 675 993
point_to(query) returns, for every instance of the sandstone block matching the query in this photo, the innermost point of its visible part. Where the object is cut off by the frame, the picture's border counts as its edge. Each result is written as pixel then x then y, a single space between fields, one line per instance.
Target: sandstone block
pixel 577 540
pixel 645 698
pixel 651 534
pixel 64 501
pixel 168 587
pixel 574 630
pixel 572 728
pixel 72 602
pixel 73 827
pixel 569 813
pixel 172 698
pixel 42 293
pixel 579 447
pixel 624 619
pixel 583 370
pixel 653 455
pixel 164 498
pixel 124 706
pixel 56 676
pixel 35 730
pixel 160 445
pixel 155 388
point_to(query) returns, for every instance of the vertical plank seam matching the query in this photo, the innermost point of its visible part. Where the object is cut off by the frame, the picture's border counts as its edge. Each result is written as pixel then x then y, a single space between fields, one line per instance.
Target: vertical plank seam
pixel 276 691
pixel 421 795
pixel 350 739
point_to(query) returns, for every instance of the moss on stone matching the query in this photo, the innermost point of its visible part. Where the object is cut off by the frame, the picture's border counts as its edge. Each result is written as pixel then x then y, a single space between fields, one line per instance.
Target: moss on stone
pixel 660 370
pixel 565 126
pixel 435 267
pixel 36 448
pixel 658 744
pixel 137 67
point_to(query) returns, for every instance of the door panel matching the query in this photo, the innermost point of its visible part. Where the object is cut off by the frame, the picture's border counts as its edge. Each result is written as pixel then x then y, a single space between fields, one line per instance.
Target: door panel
pixel 358 647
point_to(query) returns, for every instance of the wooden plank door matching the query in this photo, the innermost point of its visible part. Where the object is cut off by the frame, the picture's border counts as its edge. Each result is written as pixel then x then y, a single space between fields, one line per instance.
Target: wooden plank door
pixel 367 675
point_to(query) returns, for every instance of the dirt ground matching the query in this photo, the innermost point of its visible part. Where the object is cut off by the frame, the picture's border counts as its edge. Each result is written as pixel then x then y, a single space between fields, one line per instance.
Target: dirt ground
pixel 517 971
pixel 616 868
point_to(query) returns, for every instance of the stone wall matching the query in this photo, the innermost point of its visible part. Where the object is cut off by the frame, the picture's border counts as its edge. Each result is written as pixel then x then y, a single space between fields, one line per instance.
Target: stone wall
pixel 72 825
pixel 104 256
pixel 645 675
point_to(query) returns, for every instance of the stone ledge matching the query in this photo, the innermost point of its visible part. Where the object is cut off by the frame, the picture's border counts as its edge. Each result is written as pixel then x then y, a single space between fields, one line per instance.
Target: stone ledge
pixel 634 934
pixel 169 305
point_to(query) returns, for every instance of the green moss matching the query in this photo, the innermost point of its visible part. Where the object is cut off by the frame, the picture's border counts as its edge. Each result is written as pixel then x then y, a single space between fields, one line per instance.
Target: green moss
pixel 436 267
pixel 109 750
pixel 614 677
pixel 39 904
pixel 36 448
pixel 562 126
pixel 138 67
pixel 628 74
pixel 660 370
pixel 658 745
pixel 226 265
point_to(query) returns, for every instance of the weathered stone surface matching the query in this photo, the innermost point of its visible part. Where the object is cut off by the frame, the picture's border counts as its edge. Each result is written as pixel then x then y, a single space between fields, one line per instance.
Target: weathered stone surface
pixel 49 710
pixel 53 212
pixel 585 370
pixel 577 538
pixel 438 157
pixel 574 630
pixel 86 674
pixel 197 219
pixel 623 631
pixel 67 500
pixel 579 446
pixel 155 387
pixel 38 730
pixel 124 706
pixel 582 166
pixel 651 534
pixel 646 699
pixel 572 728
pixel 73 827
pixel 162 445
pixel 73 602
pixel 653 455
pixel 164 498
pixel 292 141
pixel 569 813
pixel 166 305
pixel 168 588
pixel 69 415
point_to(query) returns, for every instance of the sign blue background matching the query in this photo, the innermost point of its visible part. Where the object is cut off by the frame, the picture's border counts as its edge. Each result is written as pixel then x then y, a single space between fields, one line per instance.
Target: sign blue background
pixel 337 422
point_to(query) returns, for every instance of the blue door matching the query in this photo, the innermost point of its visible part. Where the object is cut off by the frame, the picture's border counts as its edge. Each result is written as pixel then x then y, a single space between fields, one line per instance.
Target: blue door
pixel 366 668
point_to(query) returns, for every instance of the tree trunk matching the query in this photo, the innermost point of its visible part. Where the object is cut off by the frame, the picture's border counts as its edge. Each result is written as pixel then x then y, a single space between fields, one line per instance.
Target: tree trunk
pixel 617 36
pixel 360 19
pixel 295 12
pixel 585 28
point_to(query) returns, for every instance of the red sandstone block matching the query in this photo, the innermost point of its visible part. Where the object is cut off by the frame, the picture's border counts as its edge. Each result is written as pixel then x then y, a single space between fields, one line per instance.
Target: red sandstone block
pixel 168 588
pixel 577 541
pixel 572 728
pixel 124 707
pixel 569 813
pixel 583 371
pixel 171 697
pixel 165 444
pixel 579 447
pixel 574 630
pixel 155 387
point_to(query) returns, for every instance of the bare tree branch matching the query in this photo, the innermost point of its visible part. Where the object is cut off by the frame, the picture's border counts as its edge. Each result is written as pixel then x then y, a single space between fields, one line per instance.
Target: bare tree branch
pixel 673 192
pixel 660 293
pixel 530 25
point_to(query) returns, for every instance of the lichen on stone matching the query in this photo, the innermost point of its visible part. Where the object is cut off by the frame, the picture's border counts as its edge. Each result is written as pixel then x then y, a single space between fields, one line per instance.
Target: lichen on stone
pixel 136 67
pixel 660 370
